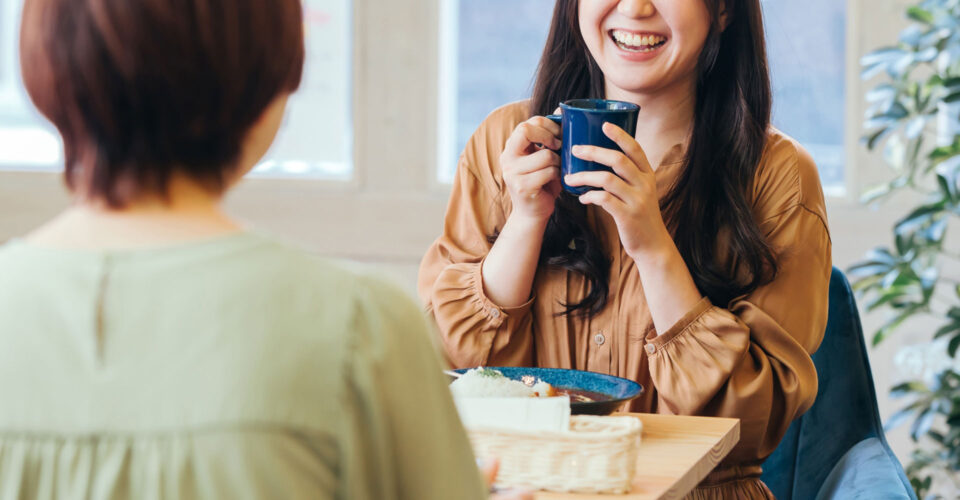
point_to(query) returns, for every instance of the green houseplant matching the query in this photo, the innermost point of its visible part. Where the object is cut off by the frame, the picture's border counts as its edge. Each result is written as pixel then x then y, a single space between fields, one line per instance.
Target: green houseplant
pixel 912 119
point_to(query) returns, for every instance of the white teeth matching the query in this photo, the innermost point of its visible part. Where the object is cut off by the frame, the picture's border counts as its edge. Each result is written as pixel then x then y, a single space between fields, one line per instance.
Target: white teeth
pixel 636 42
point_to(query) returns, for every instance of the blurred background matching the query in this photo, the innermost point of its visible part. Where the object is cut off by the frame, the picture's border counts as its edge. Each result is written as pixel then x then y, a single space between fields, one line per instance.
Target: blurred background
pixel 393 90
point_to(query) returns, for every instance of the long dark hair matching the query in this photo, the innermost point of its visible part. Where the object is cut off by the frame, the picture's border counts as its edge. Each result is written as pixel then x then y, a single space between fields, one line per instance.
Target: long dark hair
pixel 710 197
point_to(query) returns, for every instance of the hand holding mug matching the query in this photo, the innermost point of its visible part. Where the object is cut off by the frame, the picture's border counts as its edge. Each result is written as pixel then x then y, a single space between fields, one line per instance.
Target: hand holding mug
pixel 531 168
pixel 628 192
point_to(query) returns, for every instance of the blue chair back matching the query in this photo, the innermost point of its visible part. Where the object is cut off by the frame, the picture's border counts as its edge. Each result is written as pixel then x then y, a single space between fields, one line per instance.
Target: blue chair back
pixel 837 449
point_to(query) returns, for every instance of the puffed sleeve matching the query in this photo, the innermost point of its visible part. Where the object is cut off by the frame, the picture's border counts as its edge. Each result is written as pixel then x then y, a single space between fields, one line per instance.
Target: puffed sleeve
pixel 751 359
pixel 475 331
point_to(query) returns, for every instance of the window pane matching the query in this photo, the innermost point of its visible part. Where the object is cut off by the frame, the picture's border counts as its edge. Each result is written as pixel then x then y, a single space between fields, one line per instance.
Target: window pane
pixel 806 48
pixel 316 137
pixel 26 140
pixel 493 48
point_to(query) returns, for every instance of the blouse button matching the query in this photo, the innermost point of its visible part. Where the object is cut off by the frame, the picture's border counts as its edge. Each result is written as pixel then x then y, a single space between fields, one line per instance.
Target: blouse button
pixel 599 338
pixel 650 348
pixel 494 312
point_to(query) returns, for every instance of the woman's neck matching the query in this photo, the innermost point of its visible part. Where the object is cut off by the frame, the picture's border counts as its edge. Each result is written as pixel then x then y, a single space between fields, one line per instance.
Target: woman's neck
pixel 189 213
pixel 666 117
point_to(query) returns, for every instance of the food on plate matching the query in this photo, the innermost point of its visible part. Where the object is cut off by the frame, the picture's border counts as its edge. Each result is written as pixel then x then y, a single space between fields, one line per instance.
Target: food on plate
pixel 487 382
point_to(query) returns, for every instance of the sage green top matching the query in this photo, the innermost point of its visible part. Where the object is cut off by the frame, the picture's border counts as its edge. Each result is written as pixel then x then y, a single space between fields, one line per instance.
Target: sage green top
pixel 232 368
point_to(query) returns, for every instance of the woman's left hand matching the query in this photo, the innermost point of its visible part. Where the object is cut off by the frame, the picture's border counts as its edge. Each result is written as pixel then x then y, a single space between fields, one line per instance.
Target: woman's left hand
pixel 630 196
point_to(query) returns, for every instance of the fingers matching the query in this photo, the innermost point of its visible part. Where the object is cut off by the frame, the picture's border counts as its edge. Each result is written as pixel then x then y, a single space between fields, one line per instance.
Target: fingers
pixel 537 130
pixel 544 122
pixel 531 184
pixel 598 179
pixel 607 201
pixel 629 145
pixel 533 162
pixel 623 166
pixel 489 469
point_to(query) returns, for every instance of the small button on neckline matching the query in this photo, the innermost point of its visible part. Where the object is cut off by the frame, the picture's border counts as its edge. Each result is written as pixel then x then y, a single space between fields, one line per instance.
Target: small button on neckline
pixel 494 312
pixel 599 338
pixel 650 348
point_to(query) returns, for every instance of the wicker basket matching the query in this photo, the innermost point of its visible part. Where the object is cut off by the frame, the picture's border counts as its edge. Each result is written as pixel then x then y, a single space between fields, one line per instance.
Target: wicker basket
pixel 598 455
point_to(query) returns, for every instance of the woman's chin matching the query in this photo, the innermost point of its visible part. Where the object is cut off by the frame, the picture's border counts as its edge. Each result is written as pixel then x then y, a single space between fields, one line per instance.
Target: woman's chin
pixel 637 86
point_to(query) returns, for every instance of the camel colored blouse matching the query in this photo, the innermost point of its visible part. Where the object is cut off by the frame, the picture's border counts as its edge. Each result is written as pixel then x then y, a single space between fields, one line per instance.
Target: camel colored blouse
pixel 749 359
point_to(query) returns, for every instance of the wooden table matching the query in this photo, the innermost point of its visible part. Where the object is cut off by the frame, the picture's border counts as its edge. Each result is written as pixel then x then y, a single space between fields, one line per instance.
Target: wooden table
pixel 676 453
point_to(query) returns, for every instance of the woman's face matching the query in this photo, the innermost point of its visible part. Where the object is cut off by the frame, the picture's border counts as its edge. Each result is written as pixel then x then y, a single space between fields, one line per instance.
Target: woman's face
pixel 644 46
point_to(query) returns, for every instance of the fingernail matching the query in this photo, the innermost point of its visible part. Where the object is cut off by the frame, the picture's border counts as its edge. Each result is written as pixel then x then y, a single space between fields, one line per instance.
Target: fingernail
pixel 577 149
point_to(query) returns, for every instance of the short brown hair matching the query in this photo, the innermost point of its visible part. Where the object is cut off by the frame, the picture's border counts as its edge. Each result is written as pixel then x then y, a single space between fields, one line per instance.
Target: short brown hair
pixel 139 89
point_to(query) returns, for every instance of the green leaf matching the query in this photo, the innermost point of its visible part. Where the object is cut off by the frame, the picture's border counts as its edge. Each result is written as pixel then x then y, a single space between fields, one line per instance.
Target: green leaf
pixel 918 217
pixel 952 97
pixel 891 324
pixel 905 388
pixel 872 139
pixel 896 111
pixel 946 189
pixel 927 54
pixel 944 152
pixel 920 15
pixel 881 255
pixel 915 126
pixel 922 424
pixel 883 299
pixel 953 81
pixel 937 230
pixel 936 436
pixel 947 329
pixel 953 346
pixel 861 270
pixel 881 55
pixel 900 416
pixel 881 92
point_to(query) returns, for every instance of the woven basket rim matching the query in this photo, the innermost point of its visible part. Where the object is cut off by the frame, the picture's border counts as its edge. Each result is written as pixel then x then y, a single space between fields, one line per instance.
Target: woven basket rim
pixel 617 427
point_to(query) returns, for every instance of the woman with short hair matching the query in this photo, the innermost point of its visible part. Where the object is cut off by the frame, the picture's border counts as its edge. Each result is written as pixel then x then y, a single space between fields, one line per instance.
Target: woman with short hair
pixel 150 347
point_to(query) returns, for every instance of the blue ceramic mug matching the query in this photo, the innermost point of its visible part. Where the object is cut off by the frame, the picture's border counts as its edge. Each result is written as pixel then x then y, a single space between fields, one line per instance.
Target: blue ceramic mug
pixel 581 122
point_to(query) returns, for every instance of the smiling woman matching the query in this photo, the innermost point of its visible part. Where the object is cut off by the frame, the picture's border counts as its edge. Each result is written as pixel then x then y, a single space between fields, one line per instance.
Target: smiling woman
pixel 687 269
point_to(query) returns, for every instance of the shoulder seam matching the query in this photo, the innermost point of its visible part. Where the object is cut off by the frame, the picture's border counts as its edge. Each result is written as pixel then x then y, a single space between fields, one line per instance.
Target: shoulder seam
pixel 803 207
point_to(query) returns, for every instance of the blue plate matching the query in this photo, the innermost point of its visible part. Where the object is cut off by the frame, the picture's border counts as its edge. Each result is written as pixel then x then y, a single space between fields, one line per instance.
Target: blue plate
pixel 608 391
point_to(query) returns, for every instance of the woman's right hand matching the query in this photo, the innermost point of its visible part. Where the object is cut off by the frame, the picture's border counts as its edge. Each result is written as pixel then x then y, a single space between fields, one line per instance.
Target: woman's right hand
pixel 531 168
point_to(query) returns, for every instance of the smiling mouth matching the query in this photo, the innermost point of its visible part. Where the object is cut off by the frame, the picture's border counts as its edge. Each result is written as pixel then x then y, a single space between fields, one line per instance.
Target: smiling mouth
pixel 636 42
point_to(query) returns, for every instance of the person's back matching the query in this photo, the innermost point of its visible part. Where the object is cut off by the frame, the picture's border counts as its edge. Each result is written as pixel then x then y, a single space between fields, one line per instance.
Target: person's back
pixel 234 367
pixel 151 347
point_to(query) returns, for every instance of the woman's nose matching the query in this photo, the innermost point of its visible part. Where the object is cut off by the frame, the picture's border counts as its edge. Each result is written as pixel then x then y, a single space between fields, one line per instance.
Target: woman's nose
pixel 636 8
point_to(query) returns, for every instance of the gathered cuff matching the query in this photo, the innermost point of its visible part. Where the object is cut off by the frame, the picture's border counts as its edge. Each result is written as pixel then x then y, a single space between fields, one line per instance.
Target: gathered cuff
pixel 495 315
pixel 656 342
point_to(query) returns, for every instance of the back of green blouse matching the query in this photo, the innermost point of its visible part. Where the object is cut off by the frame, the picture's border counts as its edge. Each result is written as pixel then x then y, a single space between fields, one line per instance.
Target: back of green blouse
pixel 231 368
